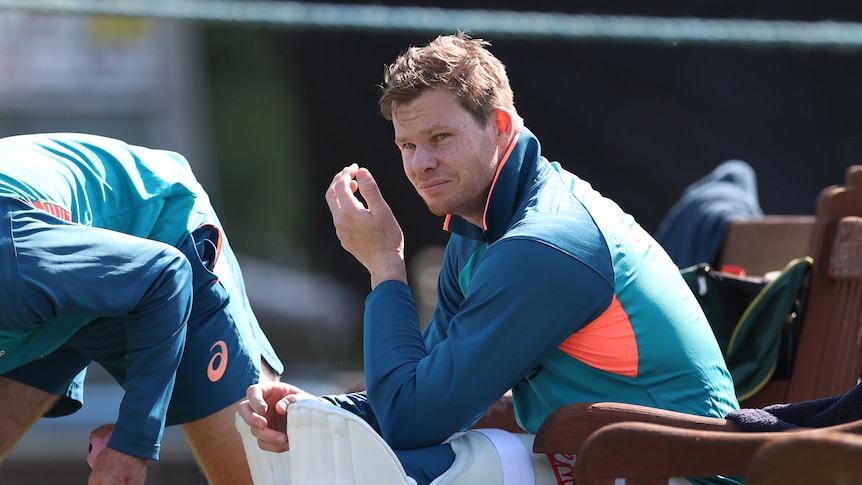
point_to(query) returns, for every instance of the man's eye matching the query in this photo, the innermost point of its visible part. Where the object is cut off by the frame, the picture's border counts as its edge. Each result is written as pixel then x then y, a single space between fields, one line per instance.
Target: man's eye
pixel 443 136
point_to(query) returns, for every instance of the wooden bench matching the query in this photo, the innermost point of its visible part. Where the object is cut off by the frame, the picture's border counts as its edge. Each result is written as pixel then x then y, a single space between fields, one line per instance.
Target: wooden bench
pixel 767 244
pixel 827 458
pixel 646 453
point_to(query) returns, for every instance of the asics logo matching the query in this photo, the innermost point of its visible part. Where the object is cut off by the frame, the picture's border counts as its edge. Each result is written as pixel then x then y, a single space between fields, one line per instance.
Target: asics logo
pixel 218 362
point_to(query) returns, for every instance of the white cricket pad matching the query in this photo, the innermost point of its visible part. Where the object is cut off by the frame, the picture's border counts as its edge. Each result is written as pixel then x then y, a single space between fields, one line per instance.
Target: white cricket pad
pixel 329 445
pixel 267 467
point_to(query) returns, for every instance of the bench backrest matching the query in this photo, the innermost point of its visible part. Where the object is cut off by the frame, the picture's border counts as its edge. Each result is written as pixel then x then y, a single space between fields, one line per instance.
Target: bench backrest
pixel 828 357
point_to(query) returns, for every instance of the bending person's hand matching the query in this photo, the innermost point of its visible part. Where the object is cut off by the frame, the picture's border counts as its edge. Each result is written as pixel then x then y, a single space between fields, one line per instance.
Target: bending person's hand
pixel 265 411
pixel 112 467
pixel 371 234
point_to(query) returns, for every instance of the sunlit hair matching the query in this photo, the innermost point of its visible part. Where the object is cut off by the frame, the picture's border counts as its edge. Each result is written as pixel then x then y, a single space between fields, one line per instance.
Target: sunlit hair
pixel 457 63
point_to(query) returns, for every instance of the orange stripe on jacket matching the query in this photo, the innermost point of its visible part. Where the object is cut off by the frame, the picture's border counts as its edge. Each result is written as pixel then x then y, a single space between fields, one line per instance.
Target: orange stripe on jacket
pixel 607 343
pixel 53 209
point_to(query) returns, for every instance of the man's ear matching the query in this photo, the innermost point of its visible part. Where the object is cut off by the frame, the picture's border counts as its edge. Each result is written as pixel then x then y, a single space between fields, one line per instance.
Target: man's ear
pixel 504 125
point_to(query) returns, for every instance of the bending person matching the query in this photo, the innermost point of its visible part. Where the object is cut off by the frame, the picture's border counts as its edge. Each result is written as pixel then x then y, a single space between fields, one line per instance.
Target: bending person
pixel 112 253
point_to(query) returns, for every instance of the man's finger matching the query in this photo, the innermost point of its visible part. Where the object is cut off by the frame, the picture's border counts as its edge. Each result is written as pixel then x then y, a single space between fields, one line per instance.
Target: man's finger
pixel 256 402
pixel 371 191
pixel 274 447
pixel 340 193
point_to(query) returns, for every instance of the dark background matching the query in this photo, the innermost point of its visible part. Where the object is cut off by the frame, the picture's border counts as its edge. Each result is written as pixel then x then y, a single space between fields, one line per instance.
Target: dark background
pixel 639 121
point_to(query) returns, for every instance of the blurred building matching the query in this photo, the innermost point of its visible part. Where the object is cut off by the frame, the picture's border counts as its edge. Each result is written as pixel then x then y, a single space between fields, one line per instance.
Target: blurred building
pixel 138 80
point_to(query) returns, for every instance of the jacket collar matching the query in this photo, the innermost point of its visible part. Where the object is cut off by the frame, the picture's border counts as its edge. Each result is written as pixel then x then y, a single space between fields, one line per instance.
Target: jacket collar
pixel 516 171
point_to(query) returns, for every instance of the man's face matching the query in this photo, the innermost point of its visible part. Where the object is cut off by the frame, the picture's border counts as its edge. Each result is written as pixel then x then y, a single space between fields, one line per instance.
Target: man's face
pixel 449 158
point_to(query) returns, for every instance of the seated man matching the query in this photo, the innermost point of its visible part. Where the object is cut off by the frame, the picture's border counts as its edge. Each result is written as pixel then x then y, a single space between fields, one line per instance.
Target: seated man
pixel 112 253
pixel 546 288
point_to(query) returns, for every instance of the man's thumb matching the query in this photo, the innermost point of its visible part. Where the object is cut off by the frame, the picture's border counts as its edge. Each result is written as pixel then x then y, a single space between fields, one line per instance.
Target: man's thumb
pixel 368 187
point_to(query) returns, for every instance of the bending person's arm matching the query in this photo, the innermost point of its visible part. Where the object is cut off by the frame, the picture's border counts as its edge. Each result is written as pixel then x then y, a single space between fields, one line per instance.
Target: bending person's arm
pixel 72 274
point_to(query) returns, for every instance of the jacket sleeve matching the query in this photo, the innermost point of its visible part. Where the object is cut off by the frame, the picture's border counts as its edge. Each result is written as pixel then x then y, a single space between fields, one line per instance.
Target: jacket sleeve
pixel 71 272
pixel 525 299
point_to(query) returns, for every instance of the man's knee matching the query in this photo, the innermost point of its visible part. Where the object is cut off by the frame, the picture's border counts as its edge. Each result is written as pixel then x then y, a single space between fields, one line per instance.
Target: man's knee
pixel 216 443
pixel 23 405
pixel 267 374
pixel 218 448
pixel 21 400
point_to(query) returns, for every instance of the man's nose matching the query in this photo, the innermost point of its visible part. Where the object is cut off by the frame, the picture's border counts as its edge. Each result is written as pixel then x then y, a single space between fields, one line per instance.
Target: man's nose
pixel 424 158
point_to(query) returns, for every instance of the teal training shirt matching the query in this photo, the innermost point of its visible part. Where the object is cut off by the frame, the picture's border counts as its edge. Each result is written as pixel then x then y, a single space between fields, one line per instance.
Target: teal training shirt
pixel 102 182
pixel 98 182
